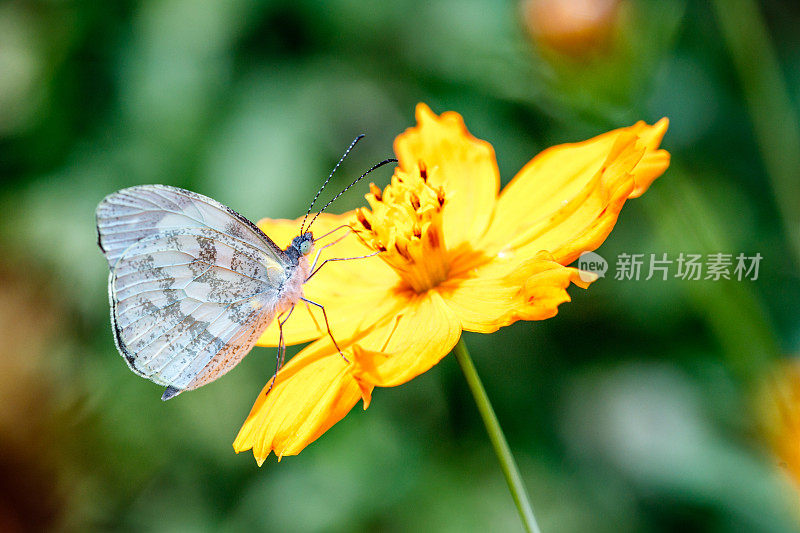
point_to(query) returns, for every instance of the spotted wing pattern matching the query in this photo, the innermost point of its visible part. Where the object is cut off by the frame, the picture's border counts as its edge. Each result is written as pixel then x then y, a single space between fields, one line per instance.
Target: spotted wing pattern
pixel 129 215
pixel 192 284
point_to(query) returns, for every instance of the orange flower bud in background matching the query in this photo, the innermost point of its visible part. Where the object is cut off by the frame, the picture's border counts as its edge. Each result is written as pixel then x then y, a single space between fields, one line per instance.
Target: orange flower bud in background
pixel 571 27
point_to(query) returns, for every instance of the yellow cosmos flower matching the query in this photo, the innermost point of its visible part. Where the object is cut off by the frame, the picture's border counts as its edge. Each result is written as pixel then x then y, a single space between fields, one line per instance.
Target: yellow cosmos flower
pixel 454 256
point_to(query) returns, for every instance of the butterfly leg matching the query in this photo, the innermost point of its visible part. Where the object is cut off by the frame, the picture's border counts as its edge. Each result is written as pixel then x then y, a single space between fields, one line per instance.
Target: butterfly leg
pixel 327 326
pixel 319 250
pixel 313 318
pixel 334 230
pixel 314 271
pixel 314 262
pixel 281 357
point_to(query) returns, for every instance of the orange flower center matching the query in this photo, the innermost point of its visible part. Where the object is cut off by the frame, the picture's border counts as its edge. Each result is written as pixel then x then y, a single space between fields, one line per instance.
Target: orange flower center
pixel 405 226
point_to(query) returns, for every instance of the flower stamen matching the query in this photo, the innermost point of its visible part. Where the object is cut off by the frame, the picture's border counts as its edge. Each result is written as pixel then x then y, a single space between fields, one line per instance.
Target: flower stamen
pixel 415 201
pixel 405 225
pixel 376 191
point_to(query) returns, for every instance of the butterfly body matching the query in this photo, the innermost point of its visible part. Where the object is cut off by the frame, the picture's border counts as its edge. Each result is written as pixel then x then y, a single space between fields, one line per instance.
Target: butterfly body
pixel 192 283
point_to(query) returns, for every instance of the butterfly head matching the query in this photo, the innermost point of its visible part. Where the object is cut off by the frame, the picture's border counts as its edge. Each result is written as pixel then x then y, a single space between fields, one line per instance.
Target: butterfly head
pixel 301 245
pixel 305 243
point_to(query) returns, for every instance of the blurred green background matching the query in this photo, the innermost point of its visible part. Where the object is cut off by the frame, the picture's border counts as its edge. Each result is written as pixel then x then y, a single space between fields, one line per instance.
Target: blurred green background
pixel 632 410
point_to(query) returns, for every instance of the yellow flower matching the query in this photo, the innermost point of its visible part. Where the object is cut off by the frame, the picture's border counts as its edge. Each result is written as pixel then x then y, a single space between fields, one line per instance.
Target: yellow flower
pixel 779 407
pixel 454 256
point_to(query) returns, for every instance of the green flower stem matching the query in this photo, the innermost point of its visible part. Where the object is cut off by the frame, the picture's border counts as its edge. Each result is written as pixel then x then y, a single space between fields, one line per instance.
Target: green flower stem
pixel 507 462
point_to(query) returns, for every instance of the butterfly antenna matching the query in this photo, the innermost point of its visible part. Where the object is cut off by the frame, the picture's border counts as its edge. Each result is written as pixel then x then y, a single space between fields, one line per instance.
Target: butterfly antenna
pixel 362 176
pixel 352 144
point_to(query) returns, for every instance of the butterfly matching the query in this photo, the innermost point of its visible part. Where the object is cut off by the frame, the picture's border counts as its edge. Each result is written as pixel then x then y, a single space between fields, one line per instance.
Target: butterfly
pixel 193 283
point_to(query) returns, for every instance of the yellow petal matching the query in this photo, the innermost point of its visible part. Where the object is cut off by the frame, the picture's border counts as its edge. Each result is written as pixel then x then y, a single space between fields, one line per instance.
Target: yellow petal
pixel 567 199
pixel 353 292
pixel 508 288
pixel 406 344
pixel 317 388
pixel 465 168
pixel 655 161
pixel 313 392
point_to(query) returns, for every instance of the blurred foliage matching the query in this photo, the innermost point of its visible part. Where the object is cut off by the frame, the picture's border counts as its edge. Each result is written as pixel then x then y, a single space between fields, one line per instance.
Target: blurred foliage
pixel 630 411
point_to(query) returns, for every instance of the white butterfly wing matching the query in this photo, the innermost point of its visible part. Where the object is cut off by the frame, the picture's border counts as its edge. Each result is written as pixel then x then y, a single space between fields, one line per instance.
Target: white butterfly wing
pixel 192 283
pixel 129 215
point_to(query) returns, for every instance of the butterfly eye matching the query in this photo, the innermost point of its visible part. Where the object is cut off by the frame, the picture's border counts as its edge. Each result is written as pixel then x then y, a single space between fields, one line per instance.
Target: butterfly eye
pixel 305 247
